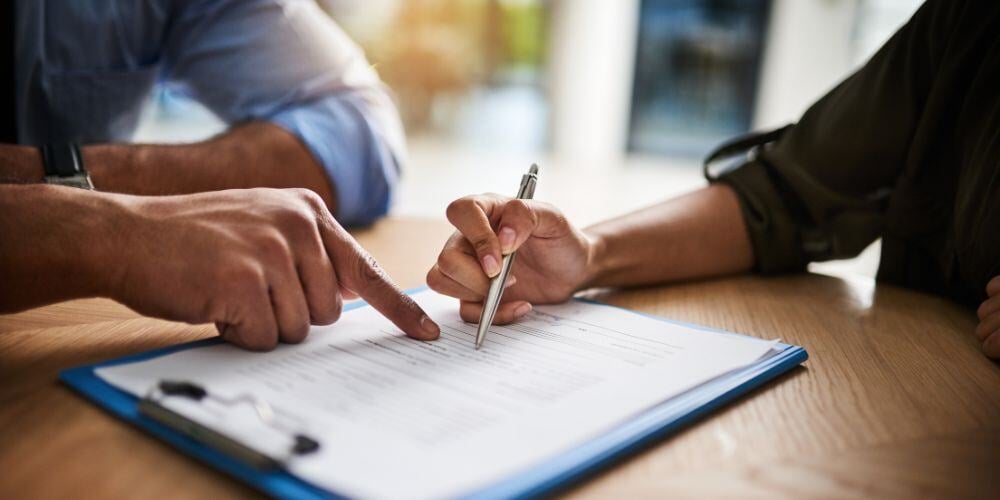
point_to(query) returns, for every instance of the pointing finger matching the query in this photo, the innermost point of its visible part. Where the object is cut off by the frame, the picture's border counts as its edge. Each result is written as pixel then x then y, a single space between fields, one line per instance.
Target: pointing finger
pixel 360 273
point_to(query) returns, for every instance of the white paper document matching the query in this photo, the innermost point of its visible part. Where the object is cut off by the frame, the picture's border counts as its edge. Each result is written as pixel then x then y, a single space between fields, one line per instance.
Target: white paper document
pixel 401 418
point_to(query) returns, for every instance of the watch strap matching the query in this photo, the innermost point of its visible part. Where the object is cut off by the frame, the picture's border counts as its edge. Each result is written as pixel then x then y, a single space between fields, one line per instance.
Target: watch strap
pixel 64 165
pixel 63 160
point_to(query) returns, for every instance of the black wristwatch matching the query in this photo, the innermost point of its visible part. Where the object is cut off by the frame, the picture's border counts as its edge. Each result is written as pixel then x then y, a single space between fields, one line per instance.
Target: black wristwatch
pixel 64 166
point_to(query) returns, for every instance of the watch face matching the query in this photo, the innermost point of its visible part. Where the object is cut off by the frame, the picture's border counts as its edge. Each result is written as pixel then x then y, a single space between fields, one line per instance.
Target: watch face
pixel 81 181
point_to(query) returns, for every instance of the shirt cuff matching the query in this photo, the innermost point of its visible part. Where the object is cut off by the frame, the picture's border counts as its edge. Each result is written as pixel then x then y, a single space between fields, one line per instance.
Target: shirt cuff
pixel 773 232
pixel 357 160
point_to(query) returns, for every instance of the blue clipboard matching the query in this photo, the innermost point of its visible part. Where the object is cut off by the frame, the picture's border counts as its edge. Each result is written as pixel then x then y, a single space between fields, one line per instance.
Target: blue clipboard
pixel 552 474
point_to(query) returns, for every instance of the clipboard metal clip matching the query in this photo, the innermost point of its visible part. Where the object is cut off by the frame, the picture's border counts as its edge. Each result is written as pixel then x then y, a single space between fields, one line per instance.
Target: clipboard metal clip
pixel 151 406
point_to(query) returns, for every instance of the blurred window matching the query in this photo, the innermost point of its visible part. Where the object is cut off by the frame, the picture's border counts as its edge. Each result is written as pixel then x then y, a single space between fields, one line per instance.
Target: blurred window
pixel 466 72
pixel 696 73
pixel 469 71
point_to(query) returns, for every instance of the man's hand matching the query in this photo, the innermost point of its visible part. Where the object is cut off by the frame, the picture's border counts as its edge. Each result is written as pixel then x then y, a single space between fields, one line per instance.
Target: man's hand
pixel 262 264
pixel 989 320
pixel 554 259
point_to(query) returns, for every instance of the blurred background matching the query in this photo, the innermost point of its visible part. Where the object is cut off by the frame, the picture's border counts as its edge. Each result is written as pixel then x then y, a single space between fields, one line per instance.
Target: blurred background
pixel 617 100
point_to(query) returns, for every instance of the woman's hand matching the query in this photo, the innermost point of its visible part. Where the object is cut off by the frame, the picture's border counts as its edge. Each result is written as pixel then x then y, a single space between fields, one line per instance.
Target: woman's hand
pixel 554 258
pixel 989 320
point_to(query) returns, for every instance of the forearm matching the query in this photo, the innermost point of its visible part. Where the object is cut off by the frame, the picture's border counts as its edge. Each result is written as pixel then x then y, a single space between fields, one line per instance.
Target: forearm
pixel 253 155
pixel 701 234
pixel 257 154
pixel 54 239
pixel 20 164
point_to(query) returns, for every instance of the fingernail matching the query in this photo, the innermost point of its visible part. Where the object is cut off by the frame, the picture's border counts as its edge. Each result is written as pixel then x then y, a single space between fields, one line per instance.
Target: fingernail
pixel 507 237
pixel 510 281
pixel 430 327
pixel 522 309
pixel 491 266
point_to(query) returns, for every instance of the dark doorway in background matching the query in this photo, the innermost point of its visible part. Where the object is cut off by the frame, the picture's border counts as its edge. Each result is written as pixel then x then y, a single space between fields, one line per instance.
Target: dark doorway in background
pixel 696 73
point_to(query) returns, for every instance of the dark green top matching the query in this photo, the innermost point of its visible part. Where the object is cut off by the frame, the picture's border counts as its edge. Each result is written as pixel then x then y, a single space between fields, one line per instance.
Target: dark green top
pixel 906 149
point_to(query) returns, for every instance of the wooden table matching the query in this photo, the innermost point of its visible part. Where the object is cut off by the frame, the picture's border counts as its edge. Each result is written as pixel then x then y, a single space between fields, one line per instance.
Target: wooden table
pixel 896 399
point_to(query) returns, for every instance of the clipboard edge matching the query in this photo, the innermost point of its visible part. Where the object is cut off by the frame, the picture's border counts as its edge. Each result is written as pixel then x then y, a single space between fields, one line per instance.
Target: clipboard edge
pixel 648 427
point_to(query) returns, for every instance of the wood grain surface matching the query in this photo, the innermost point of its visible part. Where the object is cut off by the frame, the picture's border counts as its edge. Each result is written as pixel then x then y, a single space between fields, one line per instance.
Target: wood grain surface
pixel 896 400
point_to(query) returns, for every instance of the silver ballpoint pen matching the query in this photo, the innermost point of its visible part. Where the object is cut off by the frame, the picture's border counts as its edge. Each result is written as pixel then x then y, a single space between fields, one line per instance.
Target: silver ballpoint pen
pixel 526 192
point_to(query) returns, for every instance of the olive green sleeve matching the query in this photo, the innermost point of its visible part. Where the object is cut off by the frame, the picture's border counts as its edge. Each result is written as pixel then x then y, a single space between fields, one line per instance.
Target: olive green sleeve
pixel 819 192
pixel 773 231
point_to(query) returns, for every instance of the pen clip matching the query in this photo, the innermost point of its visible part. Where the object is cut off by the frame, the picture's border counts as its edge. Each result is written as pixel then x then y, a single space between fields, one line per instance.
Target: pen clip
pixel 528 182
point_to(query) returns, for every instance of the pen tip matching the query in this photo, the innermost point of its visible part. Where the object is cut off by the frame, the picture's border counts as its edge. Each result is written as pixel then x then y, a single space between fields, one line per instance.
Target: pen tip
pixel 478 345
pixel 533 169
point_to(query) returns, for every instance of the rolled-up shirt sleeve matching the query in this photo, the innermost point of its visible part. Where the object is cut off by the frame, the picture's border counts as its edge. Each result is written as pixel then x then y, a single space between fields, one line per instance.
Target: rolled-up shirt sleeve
pixel 820 191
pixel 287 62
pixel 339 132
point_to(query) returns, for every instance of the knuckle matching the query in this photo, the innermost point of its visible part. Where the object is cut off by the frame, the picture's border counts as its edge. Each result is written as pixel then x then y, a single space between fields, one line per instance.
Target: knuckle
pixel 368 270
pixel 468 312
pixel 456 240
pixel 315 201
pixel 297 218
pixel 993 286
pixel 315 210
pixel 273 247
pixel 242 275
pixel 329 313
pixel 258 341
pixel 459 207
pixel 547 207
pixel 372 272
pixel 435 280
pixel 483 245
pixel 297 333
pixel 307 195
pixel 992 350
pixel 432 277
pixel 264 343
pixel 559 219
pixel 333 314
pixel 443 262
pixel 518 207
pixel 447 262
pixel 521 212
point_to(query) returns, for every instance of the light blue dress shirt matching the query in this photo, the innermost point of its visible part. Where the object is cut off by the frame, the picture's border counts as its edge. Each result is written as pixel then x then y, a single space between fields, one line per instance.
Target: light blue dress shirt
pixel 85 68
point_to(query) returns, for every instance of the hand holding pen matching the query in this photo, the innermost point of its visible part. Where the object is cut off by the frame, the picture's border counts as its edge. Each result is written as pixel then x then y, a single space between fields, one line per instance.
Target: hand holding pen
pixel 554 258
pixel 499 282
